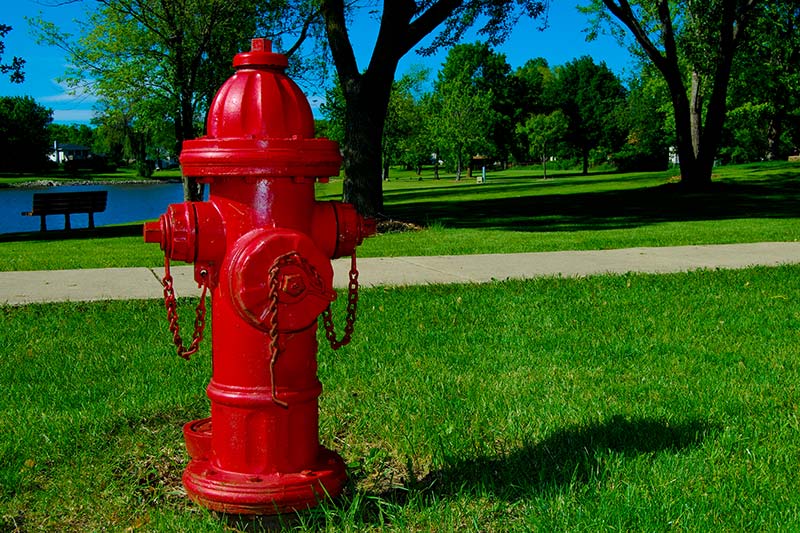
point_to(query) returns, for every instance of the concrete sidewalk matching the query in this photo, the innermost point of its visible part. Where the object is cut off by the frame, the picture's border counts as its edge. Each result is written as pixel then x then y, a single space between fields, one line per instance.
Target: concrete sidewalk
pixel 18 288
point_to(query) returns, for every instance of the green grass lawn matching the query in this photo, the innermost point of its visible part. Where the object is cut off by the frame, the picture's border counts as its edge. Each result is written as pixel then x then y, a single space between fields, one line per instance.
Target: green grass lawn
pixel 515 211
pixel 612 403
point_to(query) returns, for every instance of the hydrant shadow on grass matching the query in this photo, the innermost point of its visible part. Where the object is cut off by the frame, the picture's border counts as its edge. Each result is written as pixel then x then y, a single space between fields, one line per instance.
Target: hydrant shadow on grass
pixel 571 456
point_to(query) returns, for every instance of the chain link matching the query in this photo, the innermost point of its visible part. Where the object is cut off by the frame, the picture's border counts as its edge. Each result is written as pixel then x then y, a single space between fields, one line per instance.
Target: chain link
pixel 272 312
pixel 171 303
pixel 350 316
pixel 272 320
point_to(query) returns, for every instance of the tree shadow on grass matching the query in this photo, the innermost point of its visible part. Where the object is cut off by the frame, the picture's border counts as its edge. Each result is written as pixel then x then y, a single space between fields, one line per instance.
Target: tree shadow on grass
pixel 775 197
pixel 99 232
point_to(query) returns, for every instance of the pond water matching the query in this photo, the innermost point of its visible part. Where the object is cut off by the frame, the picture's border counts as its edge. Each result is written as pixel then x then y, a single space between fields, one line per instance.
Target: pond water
pixel 126 203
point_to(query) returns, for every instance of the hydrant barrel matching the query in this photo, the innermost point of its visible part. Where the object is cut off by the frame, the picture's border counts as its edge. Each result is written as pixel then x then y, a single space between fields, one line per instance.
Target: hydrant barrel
pixel 263 244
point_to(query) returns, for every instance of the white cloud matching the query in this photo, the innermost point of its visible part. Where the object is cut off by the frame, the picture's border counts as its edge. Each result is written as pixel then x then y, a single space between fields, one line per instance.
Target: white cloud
pixel 73 115
pixel 79 95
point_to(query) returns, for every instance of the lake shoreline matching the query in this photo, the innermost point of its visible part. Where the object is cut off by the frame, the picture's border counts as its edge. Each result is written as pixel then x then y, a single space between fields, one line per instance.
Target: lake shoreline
pixel 40 183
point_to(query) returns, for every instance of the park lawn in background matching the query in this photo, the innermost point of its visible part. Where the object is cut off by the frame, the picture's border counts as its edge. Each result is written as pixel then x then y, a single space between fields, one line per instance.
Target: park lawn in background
pixel 608 403
pixel 98 252
pixel 518 212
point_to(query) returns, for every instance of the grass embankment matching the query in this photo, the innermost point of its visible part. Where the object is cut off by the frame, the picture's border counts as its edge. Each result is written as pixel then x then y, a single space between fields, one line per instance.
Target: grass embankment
pixel 626 403
pixel 517 212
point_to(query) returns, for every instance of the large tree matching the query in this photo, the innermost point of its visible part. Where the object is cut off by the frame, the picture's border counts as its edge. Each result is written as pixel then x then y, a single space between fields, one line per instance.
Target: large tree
pixel 24 138
pixel 159 62
pixel 764 98
pixel 543 132
pixel 402 132
pixel 648 119
pixel 479 68
pixel 693 45
pixel 403 24
pixel 591 97
pixel 461 122
pixel 13 69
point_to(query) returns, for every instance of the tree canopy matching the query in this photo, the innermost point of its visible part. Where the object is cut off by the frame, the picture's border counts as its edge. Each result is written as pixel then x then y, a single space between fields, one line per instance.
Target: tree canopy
pixel 591 97
pixel 24 138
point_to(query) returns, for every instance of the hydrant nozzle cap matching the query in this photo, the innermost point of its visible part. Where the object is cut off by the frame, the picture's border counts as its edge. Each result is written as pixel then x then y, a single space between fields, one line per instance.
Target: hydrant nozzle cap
pixel 260 55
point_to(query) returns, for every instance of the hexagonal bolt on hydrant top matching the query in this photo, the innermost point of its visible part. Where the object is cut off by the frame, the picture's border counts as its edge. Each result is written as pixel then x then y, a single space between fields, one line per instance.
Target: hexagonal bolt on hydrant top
pixel 262 245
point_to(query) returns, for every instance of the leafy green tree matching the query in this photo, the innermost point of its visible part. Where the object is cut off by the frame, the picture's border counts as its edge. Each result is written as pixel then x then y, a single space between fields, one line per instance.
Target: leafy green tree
pixel 462 118
pixel 478 66
pixel 543 133
pixel 533 79
pixel 693 45
pixel 402 131
pixel 24 139
pixel 533 95
pixel 159 63
pixel 13 69
pixel 648 122
pixel 591 97
pixel 333 109
pixel 764 97
pixel 403 24
pixel 747 132
pixel 112 137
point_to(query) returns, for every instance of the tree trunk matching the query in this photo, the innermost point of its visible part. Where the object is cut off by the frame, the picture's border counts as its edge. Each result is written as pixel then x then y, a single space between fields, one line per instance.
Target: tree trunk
pixel 192 190
pixel 544 161
pixel 585 155
pixel 365 114
pixel 774 131
pixel 695 113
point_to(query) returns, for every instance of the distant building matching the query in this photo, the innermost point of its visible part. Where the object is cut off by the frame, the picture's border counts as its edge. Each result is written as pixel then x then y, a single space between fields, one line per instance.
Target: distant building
pixel 68 152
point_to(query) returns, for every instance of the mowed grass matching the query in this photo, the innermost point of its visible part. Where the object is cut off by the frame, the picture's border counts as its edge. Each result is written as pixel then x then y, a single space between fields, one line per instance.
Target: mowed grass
pixel 611 403
pixel 516 211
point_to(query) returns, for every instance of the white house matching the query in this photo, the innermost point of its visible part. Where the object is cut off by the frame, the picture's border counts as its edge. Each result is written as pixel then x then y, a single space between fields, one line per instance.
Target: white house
pixel 68 152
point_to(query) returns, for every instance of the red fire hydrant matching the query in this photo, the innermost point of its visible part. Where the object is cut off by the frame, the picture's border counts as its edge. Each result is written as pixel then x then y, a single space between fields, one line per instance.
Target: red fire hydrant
pixel 262 245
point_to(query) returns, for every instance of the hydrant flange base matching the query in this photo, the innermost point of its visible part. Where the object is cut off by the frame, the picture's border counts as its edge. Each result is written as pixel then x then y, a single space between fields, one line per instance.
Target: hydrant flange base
pixel 269 494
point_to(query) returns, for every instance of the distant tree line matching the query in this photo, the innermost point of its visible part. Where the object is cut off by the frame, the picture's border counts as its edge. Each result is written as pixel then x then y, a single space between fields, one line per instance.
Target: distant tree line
pixel 717 80
pixel 579 114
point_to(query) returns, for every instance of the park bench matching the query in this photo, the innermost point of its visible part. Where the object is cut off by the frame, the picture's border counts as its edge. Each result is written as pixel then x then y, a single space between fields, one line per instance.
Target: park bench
pixel 67 203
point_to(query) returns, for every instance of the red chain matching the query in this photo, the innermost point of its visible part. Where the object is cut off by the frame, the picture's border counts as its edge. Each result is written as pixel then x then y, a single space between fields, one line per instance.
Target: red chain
pixel 171 303
pixel 330 334
pixel 272 320
pixel 350 317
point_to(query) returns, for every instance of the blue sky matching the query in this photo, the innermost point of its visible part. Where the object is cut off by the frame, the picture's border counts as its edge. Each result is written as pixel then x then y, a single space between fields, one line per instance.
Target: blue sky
pixel 561 42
